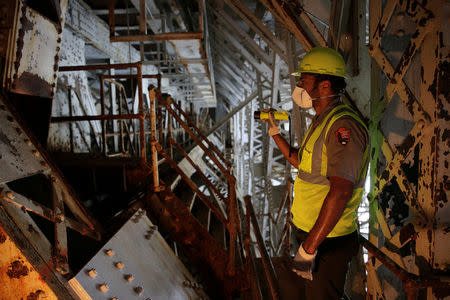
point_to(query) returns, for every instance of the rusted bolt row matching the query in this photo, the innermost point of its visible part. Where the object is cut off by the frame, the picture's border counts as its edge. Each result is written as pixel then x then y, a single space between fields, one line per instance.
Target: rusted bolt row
pixel 150 232
pixel 138 216
pixel 194 285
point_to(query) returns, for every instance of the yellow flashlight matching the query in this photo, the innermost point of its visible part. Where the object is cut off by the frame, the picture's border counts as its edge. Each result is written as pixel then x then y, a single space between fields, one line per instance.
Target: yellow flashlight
pixel 277 115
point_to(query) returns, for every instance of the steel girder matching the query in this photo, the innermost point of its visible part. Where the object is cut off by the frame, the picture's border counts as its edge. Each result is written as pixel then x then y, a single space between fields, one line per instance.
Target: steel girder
pixel 411 171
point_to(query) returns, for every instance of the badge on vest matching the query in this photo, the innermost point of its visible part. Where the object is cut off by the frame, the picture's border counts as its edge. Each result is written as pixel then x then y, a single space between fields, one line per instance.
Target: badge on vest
pixel 343 135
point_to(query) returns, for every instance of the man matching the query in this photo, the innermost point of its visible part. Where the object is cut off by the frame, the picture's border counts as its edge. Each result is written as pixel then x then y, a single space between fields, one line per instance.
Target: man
pixel 332 164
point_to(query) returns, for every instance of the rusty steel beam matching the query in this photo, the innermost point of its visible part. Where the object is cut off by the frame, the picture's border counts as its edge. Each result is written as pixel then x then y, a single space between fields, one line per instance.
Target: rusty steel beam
pixel 98 67
pixel 158 37
pixel 124 76
pixel 382 24
pixel 141 115
pixel 186 230
pixel 28 272
pixel 42 158
pixel 153 140
pixel 257 26
pixel 61 251
pixel 285 16
pixel 29 205
pixel 409 280
pixel 309 23
pixel 94 118
pixel 267 263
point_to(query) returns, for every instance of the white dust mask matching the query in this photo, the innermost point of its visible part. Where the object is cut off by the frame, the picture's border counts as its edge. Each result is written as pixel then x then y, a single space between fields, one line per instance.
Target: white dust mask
pixel 302 98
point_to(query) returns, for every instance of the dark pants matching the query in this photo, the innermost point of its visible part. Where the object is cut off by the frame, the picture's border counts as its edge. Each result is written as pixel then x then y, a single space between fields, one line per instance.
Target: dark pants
pixel 332 260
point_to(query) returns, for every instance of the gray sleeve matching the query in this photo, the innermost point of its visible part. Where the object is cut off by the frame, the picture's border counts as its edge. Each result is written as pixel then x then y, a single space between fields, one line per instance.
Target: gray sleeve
pixel 346 142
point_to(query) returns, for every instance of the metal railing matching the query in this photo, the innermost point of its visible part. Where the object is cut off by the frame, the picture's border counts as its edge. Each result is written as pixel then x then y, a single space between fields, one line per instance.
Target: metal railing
pixel 141 115
pixel 230 218
pixel 269 272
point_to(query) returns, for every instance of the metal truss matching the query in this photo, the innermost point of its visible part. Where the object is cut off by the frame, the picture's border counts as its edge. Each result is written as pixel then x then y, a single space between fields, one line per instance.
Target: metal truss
pixel 423 99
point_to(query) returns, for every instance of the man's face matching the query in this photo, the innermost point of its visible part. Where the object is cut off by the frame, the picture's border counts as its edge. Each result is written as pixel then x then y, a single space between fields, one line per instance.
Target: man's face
pixel 308 82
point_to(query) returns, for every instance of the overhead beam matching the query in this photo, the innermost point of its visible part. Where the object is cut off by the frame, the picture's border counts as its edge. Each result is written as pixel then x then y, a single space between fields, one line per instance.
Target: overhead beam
pixel 224 19
pixel 258 27
pixel 261 67
pixel 158 37
pixel 285 16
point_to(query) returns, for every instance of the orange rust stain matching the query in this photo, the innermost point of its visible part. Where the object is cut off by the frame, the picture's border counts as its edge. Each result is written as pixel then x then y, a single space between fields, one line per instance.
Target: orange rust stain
pixel 17 269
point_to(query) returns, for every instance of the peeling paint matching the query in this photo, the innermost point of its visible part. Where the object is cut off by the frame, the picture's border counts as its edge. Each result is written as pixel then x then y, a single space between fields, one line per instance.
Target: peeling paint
pixel 17 269
pixel 2 237
pixel 36 295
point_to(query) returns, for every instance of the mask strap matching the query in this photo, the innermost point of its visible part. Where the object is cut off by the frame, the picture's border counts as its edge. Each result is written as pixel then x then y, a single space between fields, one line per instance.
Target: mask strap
pixel 325 97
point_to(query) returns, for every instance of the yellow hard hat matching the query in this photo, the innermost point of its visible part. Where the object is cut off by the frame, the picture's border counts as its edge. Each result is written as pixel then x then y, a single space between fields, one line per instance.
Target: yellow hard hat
pixel 322 60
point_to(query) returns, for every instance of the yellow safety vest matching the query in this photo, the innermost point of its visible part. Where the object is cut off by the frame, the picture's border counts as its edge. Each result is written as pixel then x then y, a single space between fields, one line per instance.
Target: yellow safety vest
pixel 312 185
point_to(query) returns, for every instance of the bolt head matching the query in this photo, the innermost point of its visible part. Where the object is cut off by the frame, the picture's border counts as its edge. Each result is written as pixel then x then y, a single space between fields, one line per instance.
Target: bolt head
pixel 103 288
pixel 109 252
pixel 119 265
pixel 138 290
pixel 129 277
pixel 92 273
pixel 10 195
pixel 35 153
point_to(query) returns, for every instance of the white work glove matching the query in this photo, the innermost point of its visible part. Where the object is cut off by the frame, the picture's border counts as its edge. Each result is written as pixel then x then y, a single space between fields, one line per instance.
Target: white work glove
pixel 303 263
pixel 273 125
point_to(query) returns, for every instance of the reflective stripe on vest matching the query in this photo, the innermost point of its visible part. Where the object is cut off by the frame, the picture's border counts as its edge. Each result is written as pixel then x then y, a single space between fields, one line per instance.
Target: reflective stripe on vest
pixel 312 185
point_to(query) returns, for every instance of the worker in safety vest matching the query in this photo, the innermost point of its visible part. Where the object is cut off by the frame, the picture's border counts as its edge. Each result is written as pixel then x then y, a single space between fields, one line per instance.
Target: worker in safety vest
pixel 332 165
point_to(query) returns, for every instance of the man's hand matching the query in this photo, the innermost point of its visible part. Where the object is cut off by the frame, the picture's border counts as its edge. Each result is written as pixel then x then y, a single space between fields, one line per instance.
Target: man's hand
pixel 303 263
pixel 273 125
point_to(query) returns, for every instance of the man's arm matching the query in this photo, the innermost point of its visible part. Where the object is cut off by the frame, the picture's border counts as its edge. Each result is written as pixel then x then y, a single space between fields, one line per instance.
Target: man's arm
pixel 284 147
pixel 290 153
pixel 333 206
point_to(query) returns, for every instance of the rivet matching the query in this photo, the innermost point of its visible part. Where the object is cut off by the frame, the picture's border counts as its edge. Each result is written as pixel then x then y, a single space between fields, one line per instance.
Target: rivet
pixel 139 290
pixel 92 273
pixel 187 283
pixel 109 252
pixel 28 142
pixel 103 288
pixel 43 163
pixel 119 265
pixel 60 217
pixel 400 33
pixel 35 153
pixel 114 298
pixel 129 277
pixel 10 195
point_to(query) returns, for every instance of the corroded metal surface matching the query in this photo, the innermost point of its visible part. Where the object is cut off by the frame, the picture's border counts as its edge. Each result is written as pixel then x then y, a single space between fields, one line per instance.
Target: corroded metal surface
pixel 18 278
pixel 410 188
pixel 18 156
pixel 137 263
pixel 35 55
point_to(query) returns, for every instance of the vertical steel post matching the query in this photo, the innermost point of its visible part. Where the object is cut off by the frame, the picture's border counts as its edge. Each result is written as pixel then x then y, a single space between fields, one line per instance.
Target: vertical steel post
pixel 102 101
pixel 69 90
pixel 112 21
pixel 232 225
pixel 141 114
pixel 61 251
pixel 153 142
pixel 122 142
